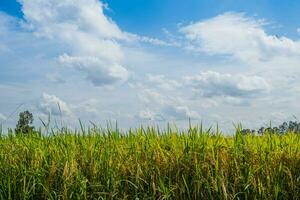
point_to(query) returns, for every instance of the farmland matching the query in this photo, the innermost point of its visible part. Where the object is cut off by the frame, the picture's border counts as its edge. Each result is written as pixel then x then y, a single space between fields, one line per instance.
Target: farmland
pixel 148 163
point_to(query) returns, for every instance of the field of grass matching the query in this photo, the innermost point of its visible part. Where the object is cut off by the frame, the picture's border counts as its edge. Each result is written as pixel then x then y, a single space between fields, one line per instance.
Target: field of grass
pixel 147 163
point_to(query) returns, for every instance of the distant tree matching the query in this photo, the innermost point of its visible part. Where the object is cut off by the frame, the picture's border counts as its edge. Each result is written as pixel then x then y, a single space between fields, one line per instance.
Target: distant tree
pixel 24 124
pixel 284 128
pixel 247 131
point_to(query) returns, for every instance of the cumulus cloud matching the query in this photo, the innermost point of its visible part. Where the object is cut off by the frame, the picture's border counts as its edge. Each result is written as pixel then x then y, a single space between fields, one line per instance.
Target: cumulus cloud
pixel 210 84
pixel 89 37
pixel 97 71
pixel 239 36
pixel 58 18
pixel 54 105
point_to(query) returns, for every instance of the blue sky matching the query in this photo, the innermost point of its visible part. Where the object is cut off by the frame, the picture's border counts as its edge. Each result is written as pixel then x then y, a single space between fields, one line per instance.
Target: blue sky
pixel 142 62
pixel 149 17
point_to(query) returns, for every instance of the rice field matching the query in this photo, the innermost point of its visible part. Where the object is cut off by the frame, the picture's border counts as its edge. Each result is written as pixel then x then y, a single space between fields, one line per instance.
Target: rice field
pixel 148 163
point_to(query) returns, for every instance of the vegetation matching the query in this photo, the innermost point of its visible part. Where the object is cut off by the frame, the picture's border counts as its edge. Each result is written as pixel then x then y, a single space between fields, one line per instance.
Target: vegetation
pixel 284 128
pixel 148 163
pixel 24 124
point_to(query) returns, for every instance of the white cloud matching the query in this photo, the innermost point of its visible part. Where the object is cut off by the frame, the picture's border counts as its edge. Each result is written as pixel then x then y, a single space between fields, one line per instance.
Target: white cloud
pixel 236 35
pixel 169 112
pixel 150 115
pixel 90 108
pixel 155 41
pixel 207 103
pixel 162 82
pixel 210 84
pixel 97 71
pixel 236 101
pixel 165 106
pixel 92 42
pixel 88 36
pixel 53 105
pixel 58 18
pixel 149 96
pixel 181 112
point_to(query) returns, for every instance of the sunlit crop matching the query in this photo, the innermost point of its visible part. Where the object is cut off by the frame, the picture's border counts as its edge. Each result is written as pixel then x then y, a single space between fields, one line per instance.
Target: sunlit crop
pixel 148 163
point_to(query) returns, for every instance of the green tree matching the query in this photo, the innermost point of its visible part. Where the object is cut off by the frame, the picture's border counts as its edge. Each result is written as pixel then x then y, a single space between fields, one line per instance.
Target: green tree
pixel 24 124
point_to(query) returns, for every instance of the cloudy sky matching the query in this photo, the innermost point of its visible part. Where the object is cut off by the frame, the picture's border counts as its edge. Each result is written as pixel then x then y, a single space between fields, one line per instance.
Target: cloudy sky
pixel 154 61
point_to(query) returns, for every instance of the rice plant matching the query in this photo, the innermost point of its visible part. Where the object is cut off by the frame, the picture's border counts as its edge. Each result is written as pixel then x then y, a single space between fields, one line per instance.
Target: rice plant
pixel 148 163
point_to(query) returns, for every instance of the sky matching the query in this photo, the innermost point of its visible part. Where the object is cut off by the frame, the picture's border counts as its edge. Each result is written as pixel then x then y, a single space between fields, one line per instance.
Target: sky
pixel 143 62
